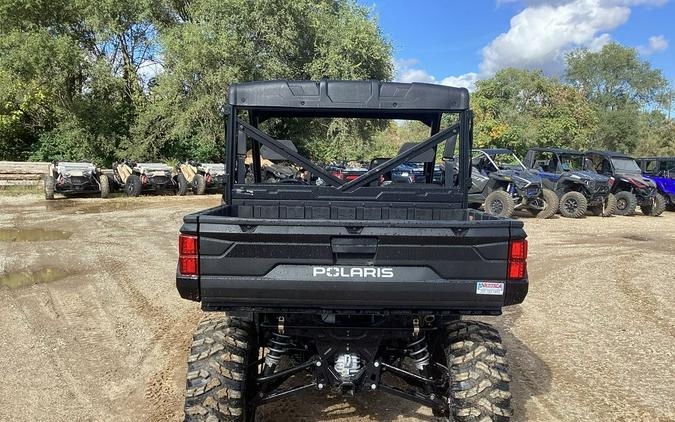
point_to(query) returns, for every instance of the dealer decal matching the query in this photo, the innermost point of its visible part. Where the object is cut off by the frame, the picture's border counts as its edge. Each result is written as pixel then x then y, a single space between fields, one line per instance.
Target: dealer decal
pixel 487 288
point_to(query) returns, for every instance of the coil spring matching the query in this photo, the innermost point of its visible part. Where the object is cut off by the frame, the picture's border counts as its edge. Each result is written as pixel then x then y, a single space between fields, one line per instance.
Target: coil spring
pixel 418 351
pixel 278 347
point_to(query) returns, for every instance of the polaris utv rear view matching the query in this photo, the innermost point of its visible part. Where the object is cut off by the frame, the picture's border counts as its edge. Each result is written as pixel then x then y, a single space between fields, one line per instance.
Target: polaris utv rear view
pixel 69 177
pixel 349 287
pixel 579 190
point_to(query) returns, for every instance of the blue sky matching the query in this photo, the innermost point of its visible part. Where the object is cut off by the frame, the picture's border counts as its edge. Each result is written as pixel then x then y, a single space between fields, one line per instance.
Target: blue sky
pixel 457 42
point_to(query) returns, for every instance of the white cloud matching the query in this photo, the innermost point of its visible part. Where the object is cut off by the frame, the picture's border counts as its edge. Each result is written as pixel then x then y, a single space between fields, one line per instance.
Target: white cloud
pixel 546 30
pixel 406 71
pixel 467 80
pixel 541 35
pixel 656 44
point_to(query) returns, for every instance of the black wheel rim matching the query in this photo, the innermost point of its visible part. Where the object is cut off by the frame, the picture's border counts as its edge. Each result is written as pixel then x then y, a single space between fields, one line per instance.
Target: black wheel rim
pixel 621 204
pixel 496 206
pixel 571 205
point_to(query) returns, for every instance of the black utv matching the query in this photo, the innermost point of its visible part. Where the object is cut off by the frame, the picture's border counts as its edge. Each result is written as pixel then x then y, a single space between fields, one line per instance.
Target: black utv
pixel 349 287
pixel 630 187
pixel 500 182
pixel 69 178
pixel 579 190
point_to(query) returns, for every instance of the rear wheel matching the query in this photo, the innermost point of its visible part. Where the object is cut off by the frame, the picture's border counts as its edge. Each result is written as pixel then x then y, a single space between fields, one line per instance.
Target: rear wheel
pixel 625 203
pixel 133 185
pixel 199 185
pixel 478 373
pixel 220 379
pixel 49 186
pixel 499 203
pixel 573 205
pixel 105 185
pixel 182 185
pixel 550 204
pixel 654 207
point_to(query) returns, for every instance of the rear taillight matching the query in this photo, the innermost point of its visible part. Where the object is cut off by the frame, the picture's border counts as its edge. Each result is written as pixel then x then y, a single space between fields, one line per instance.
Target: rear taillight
pixel 517 264
pixel 188 260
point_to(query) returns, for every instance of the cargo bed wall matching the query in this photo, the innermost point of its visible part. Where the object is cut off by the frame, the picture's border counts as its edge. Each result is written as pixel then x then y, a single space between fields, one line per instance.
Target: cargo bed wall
pixel 347 210
pixel 267 263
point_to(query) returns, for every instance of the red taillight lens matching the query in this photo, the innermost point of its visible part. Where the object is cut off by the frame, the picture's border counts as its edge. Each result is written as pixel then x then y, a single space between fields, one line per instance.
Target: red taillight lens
pixel 517 270
pixel 517 264
pixel 188 261
pixel 188 265
pixel 518 250
pixel 187 245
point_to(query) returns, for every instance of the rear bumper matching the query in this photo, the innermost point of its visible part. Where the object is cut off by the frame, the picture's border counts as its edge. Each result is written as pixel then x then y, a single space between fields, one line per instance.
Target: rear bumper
pixel 266 294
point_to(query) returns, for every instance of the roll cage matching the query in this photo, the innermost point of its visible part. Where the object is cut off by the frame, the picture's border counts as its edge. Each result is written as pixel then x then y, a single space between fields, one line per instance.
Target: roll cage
pixel 489 153
pixel 426 103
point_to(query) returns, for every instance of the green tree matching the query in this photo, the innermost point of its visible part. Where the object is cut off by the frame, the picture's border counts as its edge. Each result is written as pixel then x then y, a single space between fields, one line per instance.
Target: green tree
pixel 621 86
pixel 73 71
pixel 657 135
pixel 209 44
pixel 519 109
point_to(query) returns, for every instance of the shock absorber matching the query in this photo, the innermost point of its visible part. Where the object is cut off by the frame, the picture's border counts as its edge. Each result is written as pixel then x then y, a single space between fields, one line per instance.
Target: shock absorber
pixel 278 347
pixel 418 350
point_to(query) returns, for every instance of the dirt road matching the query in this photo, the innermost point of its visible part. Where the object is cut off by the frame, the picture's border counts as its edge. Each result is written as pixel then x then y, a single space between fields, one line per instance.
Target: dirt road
pixel 93 329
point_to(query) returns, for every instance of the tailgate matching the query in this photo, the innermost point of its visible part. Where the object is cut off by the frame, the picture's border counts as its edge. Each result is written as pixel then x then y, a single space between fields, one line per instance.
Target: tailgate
pixel 384 265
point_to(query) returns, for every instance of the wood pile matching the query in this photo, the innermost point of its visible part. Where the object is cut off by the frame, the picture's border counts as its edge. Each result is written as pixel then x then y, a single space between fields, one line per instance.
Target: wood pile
pixel 17 173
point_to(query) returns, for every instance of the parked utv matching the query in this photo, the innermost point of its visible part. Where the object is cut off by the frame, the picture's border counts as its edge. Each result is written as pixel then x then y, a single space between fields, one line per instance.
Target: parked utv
pixel 579 190
pixel 661 170
pixel 136 178
pixel 630 187
pixel 200 177
pixel 69 177
pixel 500 182
pixel 349 287
pixel 275 167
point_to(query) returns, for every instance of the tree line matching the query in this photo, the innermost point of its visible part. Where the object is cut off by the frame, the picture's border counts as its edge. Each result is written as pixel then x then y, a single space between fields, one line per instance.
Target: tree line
pixel 147 80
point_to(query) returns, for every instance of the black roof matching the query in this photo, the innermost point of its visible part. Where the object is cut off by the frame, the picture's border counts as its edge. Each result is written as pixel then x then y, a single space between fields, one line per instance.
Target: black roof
pixel 610 154
pixel 494 151
pixel 348 98
pixel 657 158
pixel 557 150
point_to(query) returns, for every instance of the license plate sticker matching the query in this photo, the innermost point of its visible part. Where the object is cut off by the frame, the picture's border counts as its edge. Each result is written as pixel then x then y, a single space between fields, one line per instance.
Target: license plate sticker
pixel 485 288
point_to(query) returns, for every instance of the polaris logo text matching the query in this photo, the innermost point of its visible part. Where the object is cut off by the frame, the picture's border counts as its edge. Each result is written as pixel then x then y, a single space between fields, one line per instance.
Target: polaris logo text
pixel 353 272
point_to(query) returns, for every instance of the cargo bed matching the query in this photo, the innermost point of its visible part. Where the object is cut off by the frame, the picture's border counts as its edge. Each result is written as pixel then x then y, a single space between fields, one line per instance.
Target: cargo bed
pixel 254 257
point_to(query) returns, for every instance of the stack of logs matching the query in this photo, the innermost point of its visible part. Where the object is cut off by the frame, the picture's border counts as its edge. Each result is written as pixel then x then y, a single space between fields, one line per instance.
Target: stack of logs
pixel 17 173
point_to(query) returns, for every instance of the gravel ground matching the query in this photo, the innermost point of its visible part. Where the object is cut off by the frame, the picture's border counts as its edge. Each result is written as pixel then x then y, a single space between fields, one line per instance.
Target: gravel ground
pixel 93 329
